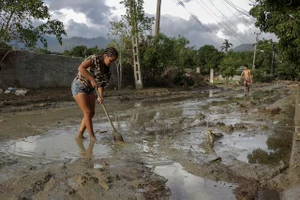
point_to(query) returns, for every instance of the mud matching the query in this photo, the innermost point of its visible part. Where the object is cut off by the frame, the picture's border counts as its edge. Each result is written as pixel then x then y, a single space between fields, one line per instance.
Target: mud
pixel 166 154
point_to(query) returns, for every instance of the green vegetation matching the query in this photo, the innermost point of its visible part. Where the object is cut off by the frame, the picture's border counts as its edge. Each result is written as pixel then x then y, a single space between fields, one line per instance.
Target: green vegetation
pixel 166 59
pixel 83 51
pixel 16 23
pixel 281 17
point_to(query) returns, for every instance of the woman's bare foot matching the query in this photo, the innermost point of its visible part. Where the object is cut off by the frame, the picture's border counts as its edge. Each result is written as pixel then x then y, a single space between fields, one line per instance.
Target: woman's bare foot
pixel 93 139
pixel 80 137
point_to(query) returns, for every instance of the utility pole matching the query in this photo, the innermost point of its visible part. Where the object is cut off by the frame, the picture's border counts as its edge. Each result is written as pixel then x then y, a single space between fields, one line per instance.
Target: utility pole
pixel 157 19
pixel 273 55
pixel 255 46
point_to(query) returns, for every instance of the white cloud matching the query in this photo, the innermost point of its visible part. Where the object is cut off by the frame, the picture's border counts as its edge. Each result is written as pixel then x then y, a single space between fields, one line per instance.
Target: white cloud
pixel 65 15
pixel 90 18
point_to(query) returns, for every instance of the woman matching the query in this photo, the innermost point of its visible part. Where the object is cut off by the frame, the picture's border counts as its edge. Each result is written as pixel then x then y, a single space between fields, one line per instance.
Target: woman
pixel 93 74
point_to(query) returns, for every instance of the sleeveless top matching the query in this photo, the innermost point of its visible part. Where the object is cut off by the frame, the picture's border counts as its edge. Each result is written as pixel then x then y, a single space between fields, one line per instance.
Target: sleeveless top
pixel 101 75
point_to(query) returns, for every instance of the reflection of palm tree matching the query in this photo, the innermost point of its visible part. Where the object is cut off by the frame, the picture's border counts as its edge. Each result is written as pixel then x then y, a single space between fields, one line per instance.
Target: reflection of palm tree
pixel 226 45
pixel 86 153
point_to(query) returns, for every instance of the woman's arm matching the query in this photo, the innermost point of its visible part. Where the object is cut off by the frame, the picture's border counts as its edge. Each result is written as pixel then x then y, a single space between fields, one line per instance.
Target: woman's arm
pixel 83 70
pixel 100 96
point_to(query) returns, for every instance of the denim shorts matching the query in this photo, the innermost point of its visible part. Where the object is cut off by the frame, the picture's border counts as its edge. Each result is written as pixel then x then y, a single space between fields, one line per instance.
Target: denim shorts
pixel 78 87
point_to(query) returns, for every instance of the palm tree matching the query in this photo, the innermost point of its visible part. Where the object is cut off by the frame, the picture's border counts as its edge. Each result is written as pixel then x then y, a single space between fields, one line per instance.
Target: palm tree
pixel 226 45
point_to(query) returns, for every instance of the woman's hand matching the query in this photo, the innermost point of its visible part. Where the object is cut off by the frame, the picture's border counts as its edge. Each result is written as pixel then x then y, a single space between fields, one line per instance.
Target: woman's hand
pixel 99 92
pixel 100 100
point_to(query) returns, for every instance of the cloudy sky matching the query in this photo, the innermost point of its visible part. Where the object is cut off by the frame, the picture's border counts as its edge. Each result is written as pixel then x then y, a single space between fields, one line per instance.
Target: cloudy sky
pixel 215 21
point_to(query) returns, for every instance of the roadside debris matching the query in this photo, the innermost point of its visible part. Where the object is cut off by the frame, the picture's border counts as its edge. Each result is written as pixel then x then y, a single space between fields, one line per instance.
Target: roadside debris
pixel 16 91
pixel 210 138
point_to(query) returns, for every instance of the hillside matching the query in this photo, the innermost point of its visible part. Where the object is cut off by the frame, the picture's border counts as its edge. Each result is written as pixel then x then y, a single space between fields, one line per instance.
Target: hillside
pixel 68 43
pixel 243 47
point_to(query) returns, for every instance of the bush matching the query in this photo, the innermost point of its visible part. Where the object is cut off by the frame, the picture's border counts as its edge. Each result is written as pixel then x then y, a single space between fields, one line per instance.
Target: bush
pixel 5 46
pixel 174 77
pixel 267 78
pixel 257 75
pixel 183 79
pixel 260 76
pixel 288 71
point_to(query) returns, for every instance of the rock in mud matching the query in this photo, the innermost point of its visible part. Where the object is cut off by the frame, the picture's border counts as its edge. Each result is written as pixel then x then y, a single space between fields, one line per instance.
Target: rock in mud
pixel 275 111
pixel 240 126
pixel 227 128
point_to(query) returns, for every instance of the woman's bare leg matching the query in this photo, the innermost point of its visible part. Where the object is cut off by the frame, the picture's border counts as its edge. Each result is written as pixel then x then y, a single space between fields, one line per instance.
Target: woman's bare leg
pixel 92 100
pixel 81 130
pixel 88 110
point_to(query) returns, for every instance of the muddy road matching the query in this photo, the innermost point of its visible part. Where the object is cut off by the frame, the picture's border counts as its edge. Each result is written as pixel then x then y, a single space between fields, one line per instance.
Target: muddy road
pixel 166 154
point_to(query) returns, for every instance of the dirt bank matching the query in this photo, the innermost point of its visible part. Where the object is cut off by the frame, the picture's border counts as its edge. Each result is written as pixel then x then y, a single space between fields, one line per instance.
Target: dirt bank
pixel 44 98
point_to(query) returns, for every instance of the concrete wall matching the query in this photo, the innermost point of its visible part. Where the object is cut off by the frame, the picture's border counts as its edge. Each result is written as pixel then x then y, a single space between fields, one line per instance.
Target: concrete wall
pixel 234 78
pixel 32 70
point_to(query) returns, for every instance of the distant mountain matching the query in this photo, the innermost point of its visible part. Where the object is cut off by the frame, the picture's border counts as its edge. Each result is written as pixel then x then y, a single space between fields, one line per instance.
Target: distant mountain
pixel 243 48
pixel 68 43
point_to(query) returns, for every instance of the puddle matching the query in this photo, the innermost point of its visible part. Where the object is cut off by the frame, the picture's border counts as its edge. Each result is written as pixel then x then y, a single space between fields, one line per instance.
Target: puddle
pixel 242 146
pixel 184 185
pixel 56 145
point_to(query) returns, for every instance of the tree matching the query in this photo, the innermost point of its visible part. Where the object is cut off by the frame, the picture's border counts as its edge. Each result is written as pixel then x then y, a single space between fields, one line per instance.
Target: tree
pixel 208 57
pixel 120 34
pixel 288 71
pixel 185 57
pixel 161 52
pixel 133 26
pixel 83 51
pixel 158 53
pixel 230 64
pixel 264 55
pixel 280 17
pixel 78 51
pixel 226 45
pixel 18 18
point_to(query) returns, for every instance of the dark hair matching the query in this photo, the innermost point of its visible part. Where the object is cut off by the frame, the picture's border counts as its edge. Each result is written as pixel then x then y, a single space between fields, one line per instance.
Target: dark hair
pixel 246 66
pixel 111 51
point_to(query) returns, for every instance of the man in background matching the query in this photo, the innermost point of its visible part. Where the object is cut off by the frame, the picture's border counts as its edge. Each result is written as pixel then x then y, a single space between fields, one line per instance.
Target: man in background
pixel 247 78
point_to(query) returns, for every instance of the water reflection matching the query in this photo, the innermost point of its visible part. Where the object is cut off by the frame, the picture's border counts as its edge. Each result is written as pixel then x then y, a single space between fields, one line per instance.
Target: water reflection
pixel 58 145
pixel 86 153
pixel 188 186
pixel 211 94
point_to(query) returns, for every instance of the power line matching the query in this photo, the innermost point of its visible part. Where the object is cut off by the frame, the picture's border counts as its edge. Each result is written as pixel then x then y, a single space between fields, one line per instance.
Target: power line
pixel 224 15
pixel 194 16
pixel 240 10
pixel 245 20
pixel 231 30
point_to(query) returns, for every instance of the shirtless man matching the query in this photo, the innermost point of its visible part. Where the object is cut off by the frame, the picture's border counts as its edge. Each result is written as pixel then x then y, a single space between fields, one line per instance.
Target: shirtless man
pixel 246 76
